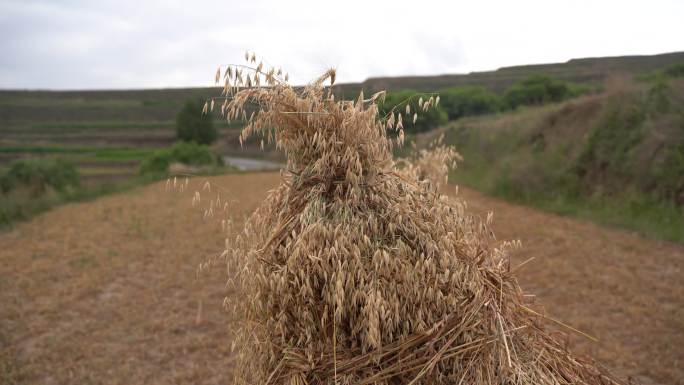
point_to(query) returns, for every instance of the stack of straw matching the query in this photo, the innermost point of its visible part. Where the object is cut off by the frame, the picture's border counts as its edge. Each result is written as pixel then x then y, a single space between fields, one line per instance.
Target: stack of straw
pixel 357 271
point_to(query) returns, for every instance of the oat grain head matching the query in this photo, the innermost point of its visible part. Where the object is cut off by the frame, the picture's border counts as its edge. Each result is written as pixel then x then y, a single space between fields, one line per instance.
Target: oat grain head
pixel 356 270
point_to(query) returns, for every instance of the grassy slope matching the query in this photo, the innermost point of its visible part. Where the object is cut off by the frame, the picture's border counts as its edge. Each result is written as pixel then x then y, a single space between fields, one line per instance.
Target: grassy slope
pixel 614 158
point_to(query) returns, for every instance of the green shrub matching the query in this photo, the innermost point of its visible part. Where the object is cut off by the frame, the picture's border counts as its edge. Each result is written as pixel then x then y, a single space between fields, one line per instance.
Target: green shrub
pixel 39 175
pixel 537 89
pixel 194 126
pixel 468 101
pixel 189 153
pixel 609 144
pixel 668 176
pixel 575 90
pixel 427 120
pixel 658 99
pixel 675 70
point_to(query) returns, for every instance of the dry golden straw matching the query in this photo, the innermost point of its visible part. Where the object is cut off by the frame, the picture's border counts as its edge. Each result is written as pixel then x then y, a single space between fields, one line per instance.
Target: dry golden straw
pixel 355 270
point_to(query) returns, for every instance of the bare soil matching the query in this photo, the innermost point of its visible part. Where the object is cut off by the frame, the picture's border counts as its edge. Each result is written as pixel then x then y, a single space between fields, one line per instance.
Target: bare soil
pixel 105 292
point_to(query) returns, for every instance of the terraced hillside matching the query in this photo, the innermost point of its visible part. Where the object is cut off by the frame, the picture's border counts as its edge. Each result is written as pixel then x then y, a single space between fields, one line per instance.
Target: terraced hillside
pixel 107 133
pixel 616 158
pixel 587 70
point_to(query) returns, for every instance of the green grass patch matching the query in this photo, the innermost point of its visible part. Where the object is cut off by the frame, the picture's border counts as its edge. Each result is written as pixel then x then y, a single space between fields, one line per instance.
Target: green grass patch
pixel 636 212
pixel 15 208
pixel 188 153
pixel 102 125
pixel 102 153
pixel 37 175
pixel 97 171
pixel 38 102
pixel 631 211
pixel 675 70
pixel 114 154
pixel 21 201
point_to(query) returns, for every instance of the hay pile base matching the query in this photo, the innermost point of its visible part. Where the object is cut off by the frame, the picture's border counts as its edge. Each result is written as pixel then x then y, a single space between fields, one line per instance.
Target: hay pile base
pixel 354 271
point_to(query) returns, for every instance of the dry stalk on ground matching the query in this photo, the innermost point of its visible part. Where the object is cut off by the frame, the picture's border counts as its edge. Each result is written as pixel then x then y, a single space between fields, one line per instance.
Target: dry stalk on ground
pixel 354 271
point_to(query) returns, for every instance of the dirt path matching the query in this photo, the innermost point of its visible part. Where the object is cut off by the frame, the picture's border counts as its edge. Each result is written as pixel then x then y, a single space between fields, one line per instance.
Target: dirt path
pixel 105 292
pixel 625 290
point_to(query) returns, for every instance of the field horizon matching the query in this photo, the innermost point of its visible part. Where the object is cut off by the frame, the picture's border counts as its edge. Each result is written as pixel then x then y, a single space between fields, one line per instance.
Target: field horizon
pixel 582 70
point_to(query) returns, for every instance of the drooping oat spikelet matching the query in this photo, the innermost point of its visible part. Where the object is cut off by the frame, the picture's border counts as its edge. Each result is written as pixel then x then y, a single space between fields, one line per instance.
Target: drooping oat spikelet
pixel 355 270
pixel 431 165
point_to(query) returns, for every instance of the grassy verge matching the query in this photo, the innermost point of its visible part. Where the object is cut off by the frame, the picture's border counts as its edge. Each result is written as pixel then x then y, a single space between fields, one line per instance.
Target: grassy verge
pixel 15 208
pixel 630 211
pixel 647 216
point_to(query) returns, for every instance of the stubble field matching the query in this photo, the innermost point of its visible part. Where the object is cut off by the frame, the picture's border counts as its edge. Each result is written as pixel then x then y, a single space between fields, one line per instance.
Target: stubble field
pixel 105 292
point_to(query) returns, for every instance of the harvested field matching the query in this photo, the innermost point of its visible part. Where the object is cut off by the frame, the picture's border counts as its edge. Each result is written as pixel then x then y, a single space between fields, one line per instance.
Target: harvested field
pixel 621 288
pixel 105 292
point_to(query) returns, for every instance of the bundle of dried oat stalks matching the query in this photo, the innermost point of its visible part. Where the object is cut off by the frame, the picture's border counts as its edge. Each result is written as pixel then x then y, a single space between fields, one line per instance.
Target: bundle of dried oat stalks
pixel 357 271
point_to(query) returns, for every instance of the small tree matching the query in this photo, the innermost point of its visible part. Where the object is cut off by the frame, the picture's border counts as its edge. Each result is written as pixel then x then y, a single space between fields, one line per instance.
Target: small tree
pixel 675 70
pixel 194 126
pixel 536 89
pixel 467 101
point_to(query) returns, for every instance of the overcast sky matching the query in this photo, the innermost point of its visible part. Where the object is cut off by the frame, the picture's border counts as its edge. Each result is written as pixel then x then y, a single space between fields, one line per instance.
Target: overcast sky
pixel 91 44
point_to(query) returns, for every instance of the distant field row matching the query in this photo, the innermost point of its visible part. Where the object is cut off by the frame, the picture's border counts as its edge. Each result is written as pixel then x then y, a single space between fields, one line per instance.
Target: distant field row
pixel 89 153
pixel 70 102
pixel 99 125
pixel 22 127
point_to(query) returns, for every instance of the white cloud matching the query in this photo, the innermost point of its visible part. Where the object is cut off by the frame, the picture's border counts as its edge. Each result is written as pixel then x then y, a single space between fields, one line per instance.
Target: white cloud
pixel 70 44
